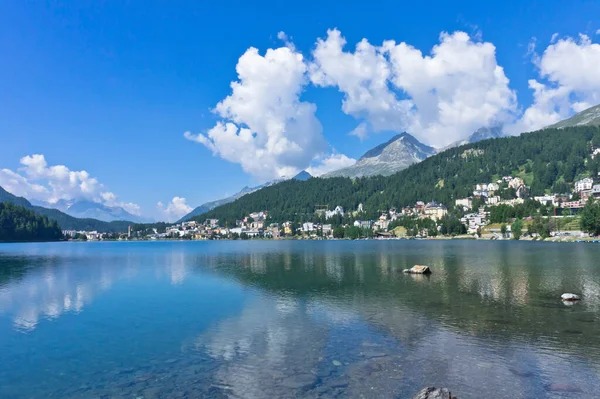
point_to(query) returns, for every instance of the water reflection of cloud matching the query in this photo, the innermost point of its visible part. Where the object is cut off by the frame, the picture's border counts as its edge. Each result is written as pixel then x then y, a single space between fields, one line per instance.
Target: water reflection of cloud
pixel 273 338
pixel 47 292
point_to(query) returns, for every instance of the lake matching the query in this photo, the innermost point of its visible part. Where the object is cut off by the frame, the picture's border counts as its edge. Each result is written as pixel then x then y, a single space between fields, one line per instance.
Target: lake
pixel 265 319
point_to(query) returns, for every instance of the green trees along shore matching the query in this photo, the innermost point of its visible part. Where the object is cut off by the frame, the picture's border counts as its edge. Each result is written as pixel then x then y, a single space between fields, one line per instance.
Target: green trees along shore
pixel 20 224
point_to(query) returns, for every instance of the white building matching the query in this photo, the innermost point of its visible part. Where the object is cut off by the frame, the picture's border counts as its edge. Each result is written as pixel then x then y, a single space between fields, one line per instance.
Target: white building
pixel 584 184
pixel 493 187
pixel 516 183
pixel 236 230
pixel 545 199
pixel 464 202
pixel 211 222
pixel 495 200
pixel 327 230
pixel 363 224
pixel 474 221
pixel 381 225
pixel 308 227
pixel 253 233
pixel 435 211
pixel 337 211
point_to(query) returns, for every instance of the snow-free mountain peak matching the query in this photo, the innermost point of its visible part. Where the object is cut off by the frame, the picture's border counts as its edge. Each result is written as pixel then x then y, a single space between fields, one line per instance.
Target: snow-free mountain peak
pixel 398 153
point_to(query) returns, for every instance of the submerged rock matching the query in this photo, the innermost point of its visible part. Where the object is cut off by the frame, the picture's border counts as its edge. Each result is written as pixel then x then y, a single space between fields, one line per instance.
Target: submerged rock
pixel 521 373
pixel 562 388
pixel 417 269
pixel 300 381
pixel 434 393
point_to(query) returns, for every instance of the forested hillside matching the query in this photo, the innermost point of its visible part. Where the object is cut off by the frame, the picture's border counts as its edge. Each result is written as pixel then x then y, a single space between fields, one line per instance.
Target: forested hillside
pixel 20 224
pixel 547 160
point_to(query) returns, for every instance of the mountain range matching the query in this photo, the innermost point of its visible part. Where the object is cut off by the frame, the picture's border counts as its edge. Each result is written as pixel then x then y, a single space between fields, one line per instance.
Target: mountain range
pixel 93 210
pixel 66 222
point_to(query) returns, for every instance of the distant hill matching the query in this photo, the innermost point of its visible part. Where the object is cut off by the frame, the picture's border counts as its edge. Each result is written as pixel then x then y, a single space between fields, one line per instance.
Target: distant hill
pixel 5 196
pixel 388 158
pixel 85 209
pixel 484 133
pixel 202 209
pixel 65 221
pixel 588 117
pixel 547 160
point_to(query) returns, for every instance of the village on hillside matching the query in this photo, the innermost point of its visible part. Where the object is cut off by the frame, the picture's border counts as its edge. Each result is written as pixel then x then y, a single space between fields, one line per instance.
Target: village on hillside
pixel 480 215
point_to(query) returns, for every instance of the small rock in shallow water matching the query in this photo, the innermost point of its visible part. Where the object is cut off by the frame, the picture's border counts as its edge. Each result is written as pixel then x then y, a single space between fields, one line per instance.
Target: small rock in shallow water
pixel 369 354
pixel 434 393
pixel 416 269
pixel 300 381
pixel 337 363
pixel 570 297
pixel 521 373
pixel 562 388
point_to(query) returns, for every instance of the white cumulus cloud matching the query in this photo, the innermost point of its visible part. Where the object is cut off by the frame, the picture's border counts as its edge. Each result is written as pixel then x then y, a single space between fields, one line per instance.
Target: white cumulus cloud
pixel 361 131
pixel 36 180
pixel 265 127
pixel 439 98
pixel 569 82
pixel 175 209
pixel 330 163
pixel 440 95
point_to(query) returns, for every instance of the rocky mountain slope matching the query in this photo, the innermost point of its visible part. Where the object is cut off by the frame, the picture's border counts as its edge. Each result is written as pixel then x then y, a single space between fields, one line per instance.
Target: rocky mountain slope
pixel 588 117
pixel 388 158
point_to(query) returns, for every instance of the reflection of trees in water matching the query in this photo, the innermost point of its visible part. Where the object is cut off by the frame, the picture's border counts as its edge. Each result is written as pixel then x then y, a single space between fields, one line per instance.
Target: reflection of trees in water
pixel 510 289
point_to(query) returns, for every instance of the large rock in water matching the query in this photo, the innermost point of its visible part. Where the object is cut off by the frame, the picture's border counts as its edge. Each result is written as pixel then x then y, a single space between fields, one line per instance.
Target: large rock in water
pixel 434 393
pixel 418 270
pixel 570 297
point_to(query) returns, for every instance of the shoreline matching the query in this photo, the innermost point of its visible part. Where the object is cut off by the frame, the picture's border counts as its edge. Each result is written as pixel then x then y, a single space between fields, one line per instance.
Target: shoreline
pixel 562 239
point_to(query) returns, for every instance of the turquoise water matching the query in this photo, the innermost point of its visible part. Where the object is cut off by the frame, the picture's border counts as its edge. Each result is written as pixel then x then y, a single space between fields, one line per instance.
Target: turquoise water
pixel 298 319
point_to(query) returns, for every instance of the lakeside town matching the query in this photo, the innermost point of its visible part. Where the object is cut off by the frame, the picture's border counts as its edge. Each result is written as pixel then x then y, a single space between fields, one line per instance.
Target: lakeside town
pixel 470 217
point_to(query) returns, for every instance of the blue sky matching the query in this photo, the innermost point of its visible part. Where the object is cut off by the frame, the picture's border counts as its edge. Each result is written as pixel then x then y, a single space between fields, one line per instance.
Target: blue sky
pixel 111 88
